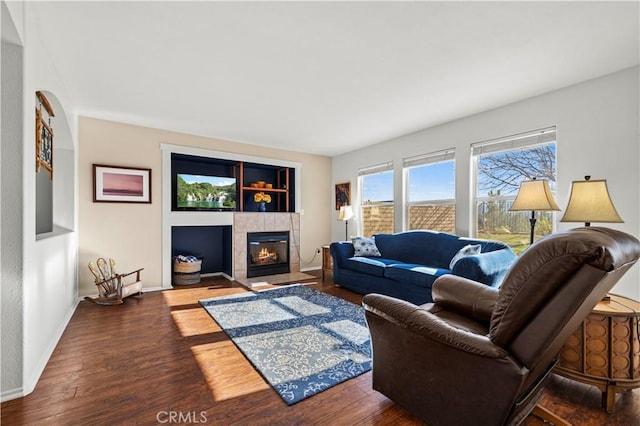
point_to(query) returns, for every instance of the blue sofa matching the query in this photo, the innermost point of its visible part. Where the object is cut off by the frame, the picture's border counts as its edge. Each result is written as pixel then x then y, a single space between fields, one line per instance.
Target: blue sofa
pixel 409 263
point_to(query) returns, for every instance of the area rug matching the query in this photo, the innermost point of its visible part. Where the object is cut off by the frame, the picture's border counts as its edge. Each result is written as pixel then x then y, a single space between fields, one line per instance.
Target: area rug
pixel 302 341
pixel 291 277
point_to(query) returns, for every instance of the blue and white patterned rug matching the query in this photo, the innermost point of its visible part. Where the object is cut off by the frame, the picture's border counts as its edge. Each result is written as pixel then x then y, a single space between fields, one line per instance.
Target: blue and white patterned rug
pixel 301 340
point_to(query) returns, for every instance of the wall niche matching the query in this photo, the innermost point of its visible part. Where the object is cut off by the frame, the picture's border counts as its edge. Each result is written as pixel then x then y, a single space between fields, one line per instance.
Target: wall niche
pixel 44 115
pixel 212 184
pixel 210 243
pixel 54 167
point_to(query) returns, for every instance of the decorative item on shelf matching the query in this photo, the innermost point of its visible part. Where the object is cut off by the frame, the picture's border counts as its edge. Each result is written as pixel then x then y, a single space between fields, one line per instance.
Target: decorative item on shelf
pixel 346 213
pixel 262 199
pixel 254 185
pixel 268 186
pixel 260 183
pixel 534 195
pixel 589 201
pixel 44 135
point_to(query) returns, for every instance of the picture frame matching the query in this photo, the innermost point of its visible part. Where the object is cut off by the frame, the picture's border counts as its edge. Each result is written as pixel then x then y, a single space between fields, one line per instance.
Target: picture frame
pixel 44 144
pixel 343 194
pixel 118 184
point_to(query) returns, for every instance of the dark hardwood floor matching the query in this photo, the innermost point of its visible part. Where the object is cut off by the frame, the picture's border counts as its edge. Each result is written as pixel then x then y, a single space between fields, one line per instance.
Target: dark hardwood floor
pixel 161 355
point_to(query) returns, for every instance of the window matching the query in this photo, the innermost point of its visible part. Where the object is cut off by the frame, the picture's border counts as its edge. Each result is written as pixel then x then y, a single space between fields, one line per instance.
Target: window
pixel 500 166
pixel 376 187
pixel 430 192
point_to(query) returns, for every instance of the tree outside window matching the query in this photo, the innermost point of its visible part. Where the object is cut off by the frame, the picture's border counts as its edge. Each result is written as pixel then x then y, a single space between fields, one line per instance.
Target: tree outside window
pixel 499 172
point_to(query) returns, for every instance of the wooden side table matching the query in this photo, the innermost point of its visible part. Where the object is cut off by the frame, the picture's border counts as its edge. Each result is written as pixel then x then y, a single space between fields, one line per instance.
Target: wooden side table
pixel 605 350
pixel 327 260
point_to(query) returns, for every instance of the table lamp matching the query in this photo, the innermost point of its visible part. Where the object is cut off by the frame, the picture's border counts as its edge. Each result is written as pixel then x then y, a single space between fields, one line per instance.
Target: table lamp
pixel 589 201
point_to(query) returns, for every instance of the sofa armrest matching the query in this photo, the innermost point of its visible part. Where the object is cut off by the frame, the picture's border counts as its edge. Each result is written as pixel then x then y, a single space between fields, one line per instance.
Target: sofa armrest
pixel 465 296
pixel 420 321
pixel 487 268
pixel 340 251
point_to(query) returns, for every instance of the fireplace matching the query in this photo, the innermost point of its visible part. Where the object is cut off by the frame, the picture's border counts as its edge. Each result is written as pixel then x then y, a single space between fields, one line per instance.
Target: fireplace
pixel 267 253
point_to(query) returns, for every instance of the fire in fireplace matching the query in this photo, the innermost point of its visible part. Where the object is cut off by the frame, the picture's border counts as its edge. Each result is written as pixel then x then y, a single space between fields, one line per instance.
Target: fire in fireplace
pixel 267 253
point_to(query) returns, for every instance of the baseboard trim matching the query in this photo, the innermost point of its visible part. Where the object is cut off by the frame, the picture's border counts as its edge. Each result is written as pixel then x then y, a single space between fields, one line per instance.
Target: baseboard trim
pixel 150 289
pixel 144 290
pixel 11 394
pixel 31 381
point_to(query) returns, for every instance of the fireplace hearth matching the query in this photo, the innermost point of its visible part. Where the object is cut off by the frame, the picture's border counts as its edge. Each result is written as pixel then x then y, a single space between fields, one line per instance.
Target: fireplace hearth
pixel 267 253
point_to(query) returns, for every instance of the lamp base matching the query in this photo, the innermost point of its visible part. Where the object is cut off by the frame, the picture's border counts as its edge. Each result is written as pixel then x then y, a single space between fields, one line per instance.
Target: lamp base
pixel 532 221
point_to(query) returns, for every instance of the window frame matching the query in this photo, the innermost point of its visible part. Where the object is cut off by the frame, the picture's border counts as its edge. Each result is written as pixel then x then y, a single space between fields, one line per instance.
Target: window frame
pixel 519 141
pixel 425 160
pixel 379 168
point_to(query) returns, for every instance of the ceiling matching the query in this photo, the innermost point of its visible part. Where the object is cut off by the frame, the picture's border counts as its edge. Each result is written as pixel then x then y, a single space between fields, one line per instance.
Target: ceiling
pixel 324 77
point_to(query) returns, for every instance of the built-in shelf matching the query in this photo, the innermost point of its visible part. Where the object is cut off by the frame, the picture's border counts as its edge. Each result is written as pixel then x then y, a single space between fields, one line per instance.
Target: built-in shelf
pixel 279 177
pixel 251 188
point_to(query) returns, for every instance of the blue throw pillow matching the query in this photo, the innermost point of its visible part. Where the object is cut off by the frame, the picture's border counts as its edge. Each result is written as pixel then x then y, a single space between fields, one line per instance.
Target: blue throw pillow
pixel 467 250
pixel 365 247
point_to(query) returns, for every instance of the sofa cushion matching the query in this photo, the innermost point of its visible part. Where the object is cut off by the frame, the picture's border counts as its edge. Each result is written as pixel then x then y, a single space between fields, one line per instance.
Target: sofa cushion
pixel 411 273
pixel 365 247
pixel 420 247
pixel 368 265
pixel 467 250
pixel 487 268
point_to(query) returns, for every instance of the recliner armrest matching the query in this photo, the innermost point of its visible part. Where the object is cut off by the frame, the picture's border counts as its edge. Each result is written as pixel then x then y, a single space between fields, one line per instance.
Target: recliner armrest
pixel 418 320
pixel 465 296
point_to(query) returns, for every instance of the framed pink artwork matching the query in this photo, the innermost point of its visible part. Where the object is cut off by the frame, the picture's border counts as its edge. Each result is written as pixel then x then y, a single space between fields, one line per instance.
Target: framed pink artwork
pixel 116 184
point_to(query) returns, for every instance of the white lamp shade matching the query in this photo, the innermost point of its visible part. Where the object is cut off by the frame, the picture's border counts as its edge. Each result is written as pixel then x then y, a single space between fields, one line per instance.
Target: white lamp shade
pixel 346 213
pixel 534 195
pixel 589 201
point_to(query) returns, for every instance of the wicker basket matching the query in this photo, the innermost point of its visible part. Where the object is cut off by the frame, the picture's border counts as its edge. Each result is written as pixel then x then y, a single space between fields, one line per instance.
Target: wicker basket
pixel 187 267
pixel 186 279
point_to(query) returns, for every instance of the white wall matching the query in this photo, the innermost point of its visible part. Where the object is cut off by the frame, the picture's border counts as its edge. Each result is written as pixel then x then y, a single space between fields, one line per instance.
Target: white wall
pixel 50 282
pixel 11 98
pixel 48 286
pixel 112 229
pixel 598 135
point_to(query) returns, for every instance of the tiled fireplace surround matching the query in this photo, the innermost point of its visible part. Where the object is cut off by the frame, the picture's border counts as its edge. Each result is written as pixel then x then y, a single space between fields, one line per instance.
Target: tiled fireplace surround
pixel 263 222
pixel 241 223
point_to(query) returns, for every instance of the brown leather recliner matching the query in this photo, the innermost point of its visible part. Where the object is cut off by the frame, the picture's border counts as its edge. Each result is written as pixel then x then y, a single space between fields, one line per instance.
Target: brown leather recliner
pixel 477 355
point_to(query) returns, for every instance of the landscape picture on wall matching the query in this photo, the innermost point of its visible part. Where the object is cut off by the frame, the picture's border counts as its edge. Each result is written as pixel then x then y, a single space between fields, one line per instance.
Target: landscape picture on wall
pixel 120 184
pixel 117 184
pixel 200 192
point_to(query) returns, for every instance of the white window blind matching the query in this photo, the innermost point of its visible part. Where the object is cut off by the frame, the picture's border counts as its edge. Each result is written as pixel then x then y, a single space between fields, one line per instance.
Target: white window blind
pixel 536 137
pixel 435 157
pixel 378 168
